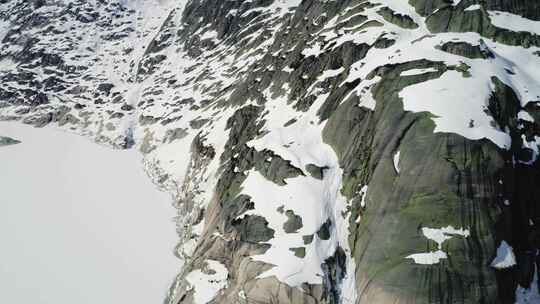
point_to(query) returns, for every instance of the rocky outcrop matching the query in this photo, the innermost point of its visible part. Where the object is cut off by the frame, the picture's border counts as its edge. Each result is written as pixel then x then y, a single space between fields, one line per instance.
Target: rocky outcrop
pixel 8 141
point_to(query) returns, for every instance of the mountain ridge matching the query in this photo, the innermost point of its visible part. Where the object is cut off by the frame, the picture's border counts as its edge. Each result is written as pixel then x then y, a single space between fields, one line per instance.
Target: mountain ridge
pixel 319 151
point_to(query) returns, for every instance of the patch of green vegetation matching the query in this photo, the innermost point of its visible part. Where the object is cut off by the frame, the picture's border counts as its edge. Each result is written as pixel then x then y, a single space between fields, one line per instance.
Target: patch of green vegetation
pixel 299 251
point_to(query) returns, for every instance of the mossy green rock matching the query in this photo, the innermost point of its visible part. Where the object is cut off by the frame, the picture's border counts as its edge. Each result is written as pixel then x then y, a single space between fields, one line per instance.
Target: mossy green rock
pixel 315 171
pixel 8 141
pixel 293 223
pixel 299 251
pixel 443 180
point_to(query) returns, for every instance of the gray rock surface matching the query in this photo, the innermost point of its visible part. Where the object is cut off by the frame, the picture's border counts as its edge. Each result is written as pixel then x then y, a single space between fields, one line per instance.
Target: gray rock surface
pixel 8 141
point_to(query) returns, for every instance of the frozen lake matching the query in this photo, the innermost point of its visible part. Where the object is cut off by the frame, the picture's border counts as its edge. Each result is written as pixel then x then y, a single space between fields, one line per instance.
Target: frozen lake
pixel 80 223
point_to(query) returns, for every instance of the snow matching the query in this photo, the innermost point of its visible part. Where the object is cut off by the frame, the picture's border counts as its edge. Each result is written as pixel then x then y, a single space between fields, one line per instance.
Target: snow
pixel 325 202
pixel 461 116
pixel 366 97
pixel 428 258
pixel 330 73
pixel 367 100
pixel 80 221
pixel 454 109
pixel 207 284
pixel 7 65
pixel 174 157
pixel 505 256
pixel 268 197
pixel 473 7
pixel 514 22
pixel 242 295
pixel 529 295
pixel 439 235
pixel 363 195
pixel 4 28
pixel 533 145
pixel 301 144
pixel 209 35
pixel 524 115
pixel 314 50
pixel 396 161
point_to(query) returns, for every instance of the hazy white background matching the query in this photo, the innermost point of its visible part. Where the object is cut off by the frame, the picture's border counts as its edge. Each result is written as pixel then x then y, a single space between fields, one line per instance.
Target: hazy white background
pixel 80 223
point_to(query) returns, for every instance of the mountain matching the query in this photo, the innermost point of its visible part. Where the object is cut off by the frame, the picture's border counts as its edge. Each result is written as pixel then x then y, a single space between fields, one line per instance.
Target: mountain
pixel 319 151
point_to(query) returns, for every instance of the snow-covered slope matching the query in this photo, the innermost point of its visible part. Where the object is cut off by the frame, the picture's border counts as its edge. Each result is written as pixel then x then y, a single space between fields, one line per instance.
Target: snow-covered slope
pixel 314 148
pixel 80 222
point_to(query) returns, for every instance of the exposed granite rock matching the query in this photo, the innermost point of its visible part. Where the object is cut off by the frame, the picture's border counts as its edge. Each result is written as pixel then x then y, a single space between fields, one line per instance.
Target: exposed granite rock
pixel 466 50
pixel 315 171
pixel 8 141
pixel 293 223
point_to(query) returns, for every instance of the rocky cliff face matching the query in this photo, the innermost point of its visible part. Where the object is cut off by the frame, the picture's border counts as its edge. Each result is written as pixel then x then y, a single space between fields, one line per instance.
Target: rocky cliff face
pixel 319 151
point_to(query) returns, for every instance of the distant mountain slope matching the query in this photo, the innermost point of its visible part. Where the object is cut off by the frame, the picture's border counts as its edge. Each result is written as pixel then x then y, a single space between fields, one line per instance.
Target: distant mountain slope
pixel 337 151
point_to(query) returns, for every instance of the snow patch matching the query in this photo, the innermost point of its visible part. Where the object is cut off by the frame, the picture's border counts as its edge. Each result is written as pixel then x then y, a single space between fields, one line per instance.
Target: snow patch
pixel 301 144
pixel 439 235
pixel 452 106
pixel 505 256
pixel 529 295
pixel 525 116
pixel 330 73
pixel 428 258
pixel 473 7
pixel 514 22
pixel 209 35
pixel 363 195
pixel 396 161
pixel 206 285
